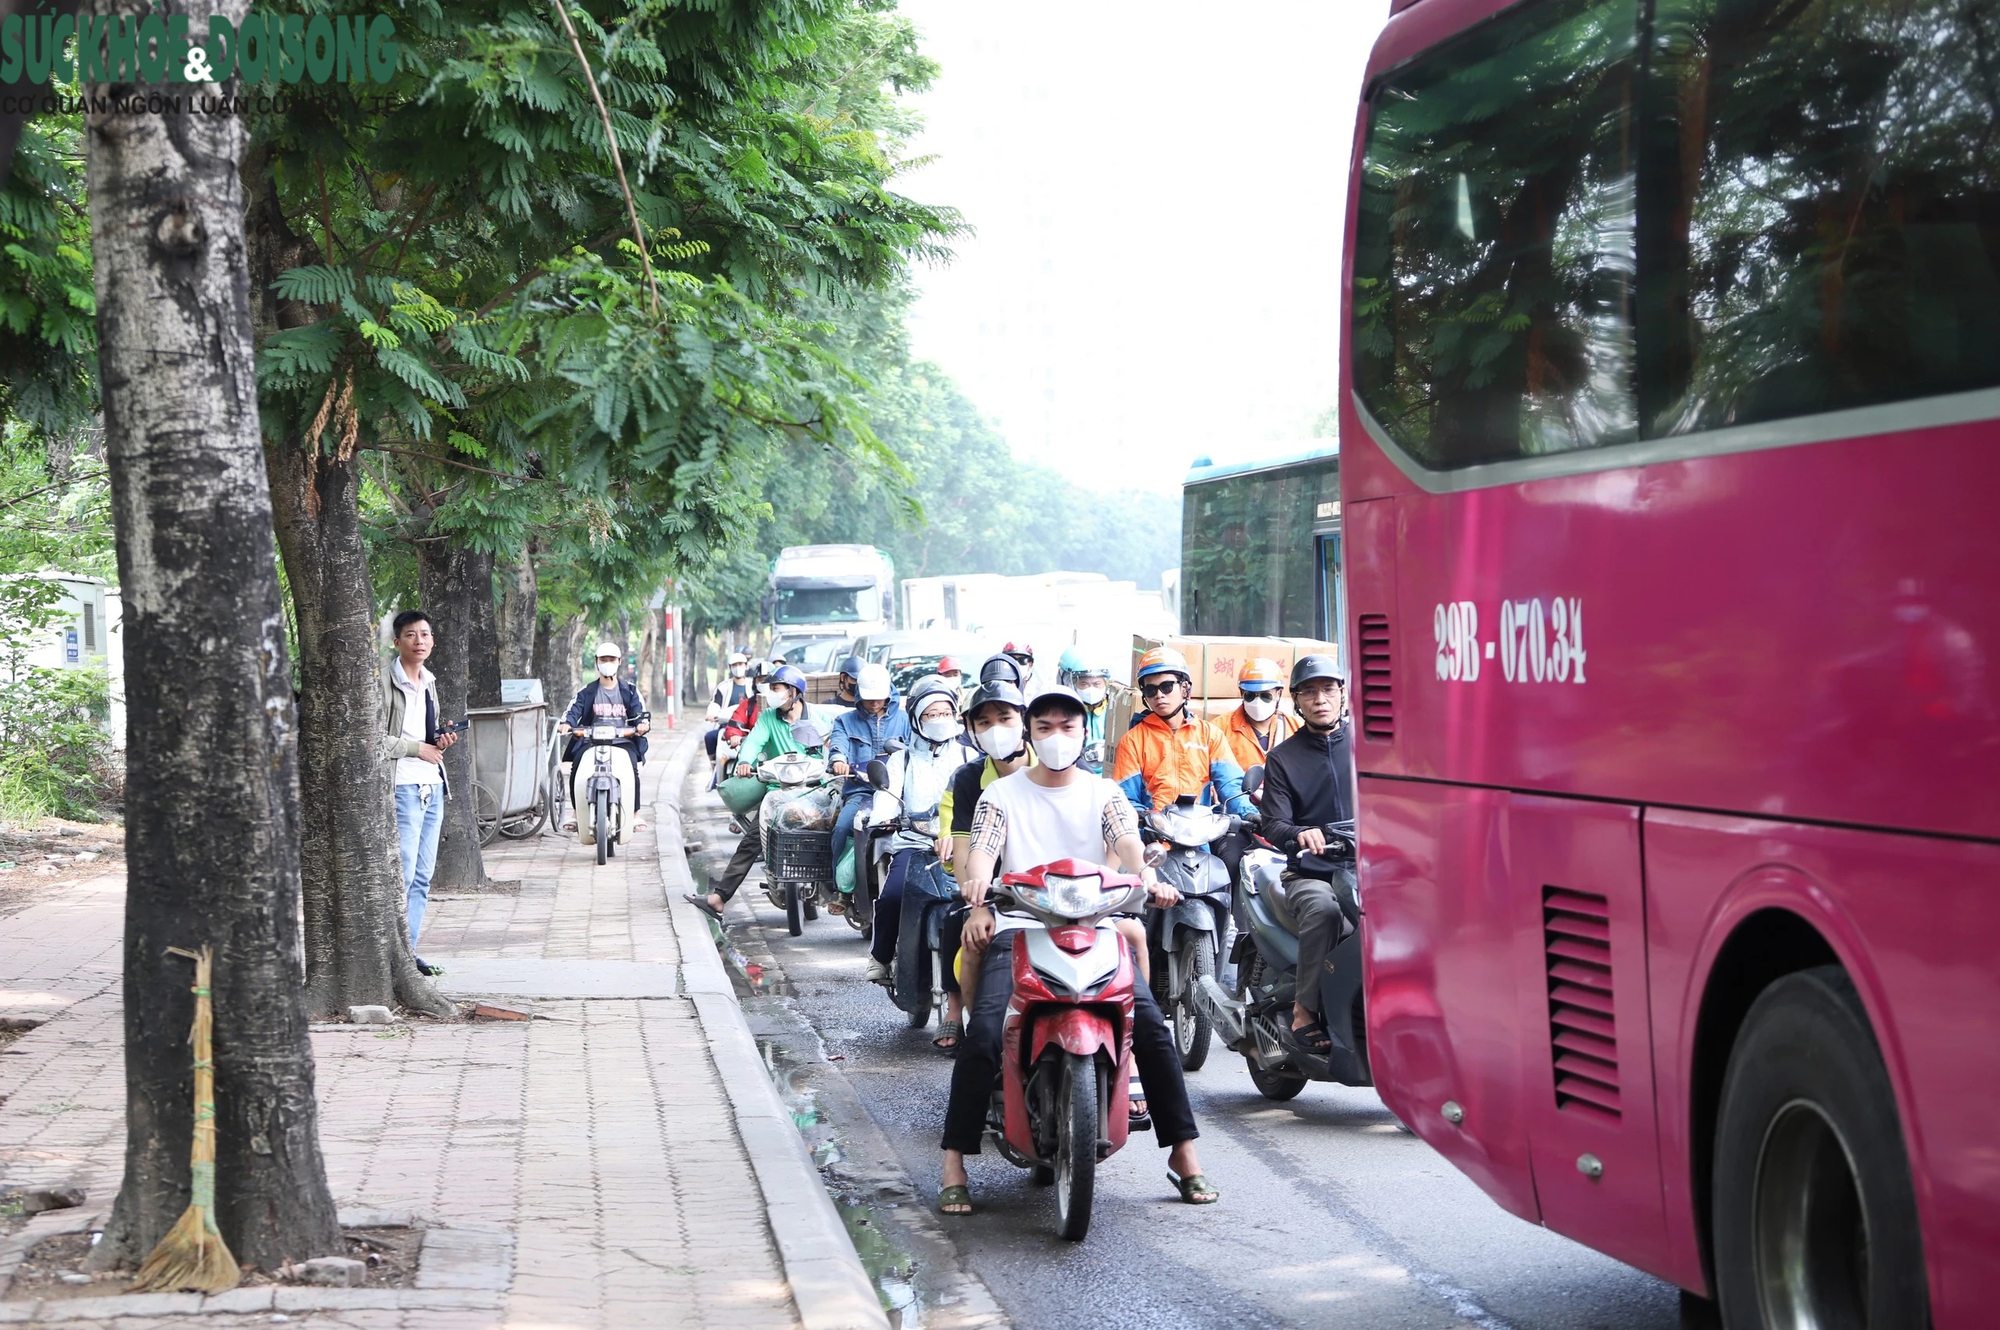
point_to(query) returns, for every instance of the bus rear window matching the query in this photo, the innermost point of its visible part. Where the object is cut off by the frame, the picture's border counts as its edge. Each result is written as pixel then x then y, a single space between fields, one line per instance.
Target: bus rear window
pixel 1779 208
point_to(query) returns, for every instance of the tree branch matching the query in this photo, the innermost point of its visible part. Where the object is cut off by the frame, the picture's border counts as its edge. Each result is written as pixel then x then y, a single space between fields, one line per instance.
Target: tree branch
pixel 444 461
pixel 611 139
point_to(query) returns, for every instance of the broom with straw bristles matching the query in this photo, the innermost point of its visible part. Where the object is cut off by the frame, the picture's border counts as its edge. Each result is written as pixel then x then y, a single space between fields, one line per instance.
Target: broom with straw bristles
pixel 193 1257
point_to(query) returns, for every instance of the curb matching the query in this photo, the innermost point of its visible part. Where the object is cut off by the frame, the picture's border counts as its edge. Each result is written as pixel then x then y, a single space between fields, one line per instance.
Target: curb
pixel 829 1286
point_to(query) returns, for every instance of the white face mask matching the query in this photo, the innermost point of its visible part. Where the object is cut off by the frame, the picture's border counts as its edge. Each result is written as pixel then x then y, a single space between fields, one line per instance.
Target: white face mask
pixel 607 668
pixel 1000 742
pixel 1259 708
pixel 738 671
pixel 769 694
pixel 1091 693
pixel 1059 752
pixel 937 729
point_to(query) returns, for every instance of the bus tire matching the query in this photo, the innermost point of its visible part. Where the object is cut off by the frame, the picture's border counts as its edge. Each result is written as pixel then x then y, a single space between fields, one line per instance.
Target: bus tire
pixel 1815 1214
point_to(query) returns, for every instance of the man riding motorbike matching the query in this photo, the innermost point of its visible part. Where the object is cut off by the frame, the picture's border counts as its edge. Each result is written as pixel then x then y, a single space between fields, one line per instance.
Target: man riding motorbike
pixel 1309 786
pixel 1055 810
pixel 1023 655
pixel 784 705
pixel 919 776
pixel 608 700
pixel 1257 726
pixel 735 687
pixel 1170 752
pixel 1092 683
pixel 859 737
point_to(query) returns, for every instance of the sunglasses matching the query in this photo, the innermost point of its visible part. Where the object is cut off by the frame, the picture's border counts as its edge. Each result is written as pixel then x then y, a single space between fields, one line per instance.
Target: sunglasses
pixel 1155 689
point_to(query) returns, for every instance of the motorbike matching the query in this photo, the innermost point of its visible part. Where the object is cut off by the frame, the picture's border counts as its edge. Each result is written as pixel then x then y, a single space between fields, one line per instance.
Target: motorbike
pixel 1061 1102
pixel 917 987
pixel 797 830
pixel 1257 1020
pixel 598 780
pixel 1188 939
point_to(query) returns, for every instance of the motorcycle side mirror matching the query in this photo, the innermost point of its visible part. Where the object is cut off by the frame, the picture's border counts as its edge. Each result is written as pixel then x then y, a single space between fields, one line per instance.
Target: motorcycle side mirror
pixel 1253 780
pixel 878 774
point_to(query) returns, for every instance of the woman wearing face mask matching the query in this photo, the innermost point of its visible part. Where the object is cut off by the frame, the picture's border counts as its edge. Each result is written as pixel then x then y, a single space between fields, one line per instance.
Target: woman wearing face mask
pixel 919 774
pixel 608 700
pixel 1092 683
pixel 1259 725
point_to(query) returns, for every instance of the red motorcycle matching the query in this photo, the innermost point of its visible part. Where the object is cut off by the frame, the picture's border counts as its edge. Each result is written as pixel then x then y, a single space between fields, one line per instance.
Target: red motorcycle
pixel 1061 1102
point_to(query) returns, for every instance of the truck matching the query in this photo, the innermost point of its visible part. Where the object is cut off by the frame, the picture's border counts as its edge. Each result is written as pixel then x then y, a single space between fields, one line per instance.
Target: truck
pixel 823 593
pixel 1048 611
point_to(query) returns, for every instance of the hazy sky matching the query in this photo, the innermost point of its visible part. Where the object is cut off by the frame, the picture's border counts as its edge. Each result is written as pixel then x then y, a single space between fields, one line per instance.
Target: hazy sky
pixel 1157 192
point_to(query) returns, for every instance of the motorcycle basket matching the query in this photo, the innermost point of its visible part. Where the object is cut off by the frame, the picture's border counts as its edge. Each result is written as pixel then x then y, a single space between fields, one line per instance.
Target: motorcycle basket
pixel 805 857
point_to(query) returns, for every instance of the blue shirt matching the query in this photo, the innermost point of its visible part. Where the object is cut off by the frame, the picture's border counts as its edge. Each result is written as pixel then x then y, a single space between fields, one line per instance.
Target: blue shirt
pixel 859 738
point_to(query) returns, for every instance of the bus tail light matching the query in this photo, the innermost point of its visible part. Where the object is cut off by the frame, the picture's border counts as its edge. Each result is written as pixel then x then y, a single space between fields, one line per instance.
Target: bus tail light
pixel 1378 707
pixel 1576 928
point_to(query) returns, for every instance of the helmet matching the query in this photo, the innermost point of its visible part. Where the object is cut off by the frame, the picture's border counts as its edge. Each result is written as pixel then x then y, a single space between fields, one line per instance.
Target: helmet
pixel 1162 660
pixel 851 666
pixel 789 676
pixel 1073 667
pixel 1018 649
pixel 873 683
pixel 738 658
pixel 1317 667
pixel 609 648
pixel 1001 667
pixel 927 690
pixel 950 665
pixel 1058 697
pixel 1260 675
pixel 1001 691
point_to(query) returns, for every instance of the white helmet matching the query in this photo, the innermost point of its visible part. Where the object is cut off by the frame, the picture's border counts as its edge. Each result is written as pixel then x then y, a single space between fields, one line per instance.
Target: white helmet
pixel 874 683
pixel 738 658
pixel 609 648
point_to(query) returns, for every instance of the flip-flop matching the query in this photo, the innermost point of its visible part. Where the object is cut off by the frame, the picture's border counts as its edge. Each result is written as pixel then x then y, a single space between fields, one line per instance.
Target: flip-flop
pixel 1318 1040
pixel 1195 1188
pixel 951 1030
pixel 701 903
pixel 956 1194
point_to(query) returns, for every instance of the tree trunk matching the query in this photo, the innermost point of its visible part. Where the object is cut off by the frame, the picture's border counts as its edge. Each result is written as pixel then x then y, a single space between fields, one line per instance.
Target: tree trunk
pixel 517 615
pixel 558 641
pixel 447 576
pixel 483 634
pixel 357 940
pixel 211 792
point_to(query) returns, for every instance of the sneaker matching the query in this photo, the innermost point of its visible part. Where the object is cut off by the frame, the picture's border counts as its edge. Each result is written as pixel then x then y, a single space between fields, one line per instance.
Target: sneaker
pixel 878 973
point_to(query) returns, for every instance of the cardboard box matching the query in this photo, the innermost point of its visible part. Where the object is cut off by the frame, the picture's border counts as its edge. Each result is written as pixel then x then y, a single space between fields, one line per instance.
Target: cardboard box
pixel 1187 646
pixel 1225 657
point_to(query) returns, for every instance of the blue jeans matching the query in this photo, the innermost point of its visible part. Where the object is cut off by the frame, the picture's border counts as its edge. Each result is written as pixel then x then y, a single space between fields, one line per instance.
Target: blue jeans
pixel 418 821
pixel 843 826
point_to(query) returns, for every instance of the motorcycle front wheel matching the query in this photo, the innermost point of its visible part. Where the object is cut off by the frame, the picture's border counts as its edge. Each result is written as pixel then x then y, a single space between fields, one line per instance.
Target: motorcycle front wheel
pixel 600 809
pixel 1076 1145
pixel 1192 1028
pixel 1276 1085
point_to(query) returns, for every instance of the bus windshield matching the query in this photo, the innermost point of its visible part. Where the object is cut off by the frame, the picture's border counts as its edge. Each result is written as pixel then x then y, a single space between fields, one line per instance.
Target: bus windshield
pixel 823 604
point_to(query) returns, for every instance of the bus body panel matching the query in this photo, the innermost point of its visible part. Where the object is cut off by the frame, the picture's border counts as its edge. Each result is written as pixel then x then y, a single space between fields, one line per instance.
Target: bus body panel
pixel 1911 919
pixel 1808 633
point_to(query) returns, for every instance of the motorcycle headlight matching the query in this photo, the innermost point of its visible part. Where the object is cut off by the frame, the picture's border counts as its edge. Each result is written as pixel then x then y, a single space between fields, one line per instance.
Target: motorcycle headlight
pixel 1072 897
pixel 603 734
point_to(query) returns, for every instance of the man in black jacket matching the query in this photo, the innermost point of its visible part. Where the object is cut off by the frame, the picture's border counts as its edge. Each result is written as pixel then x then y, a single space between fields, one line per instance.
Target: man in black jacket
pixel 1308 787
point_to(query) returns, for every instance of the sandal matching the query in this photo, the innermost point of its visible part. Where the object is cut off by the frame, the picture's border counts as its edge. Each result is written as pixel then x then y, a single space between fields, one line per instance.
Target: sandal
pixel 836 908
pixel 1195 1188
pixel 1137 1118
pixel 955 1199
pixel 1315 1037
pixel 951 1030
pixel 701 903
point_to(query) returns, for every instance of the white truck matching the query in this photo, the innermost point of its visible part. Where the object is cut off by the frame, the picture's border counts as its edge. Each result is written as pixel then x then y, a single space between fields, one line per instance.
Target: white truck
pixel 1048 611
pixel 824 593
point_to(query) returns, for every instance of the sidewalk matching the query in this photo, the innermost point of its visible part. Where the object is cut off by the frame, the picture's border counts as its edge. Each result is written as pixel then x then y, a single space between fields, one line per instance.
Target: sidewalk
pixel 623 1163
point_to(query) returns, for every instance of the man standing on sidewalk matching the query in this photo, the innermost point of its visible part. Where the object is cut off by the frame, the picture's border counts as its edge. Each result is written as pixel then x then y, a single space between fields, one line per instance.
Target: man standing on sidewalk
pixel 409 701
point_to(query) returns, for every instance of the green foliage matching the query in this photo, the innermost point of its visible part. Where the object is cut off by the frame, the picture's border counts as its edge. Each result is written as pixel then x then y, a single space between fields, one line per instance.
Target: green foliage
pixel 53 744
pixel 48 340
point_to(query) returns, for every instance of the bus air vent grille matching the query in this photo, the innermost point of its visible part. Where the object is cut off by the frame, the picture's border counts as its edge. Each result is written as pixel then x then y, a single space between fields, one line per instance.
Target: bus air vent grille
pixel 1576 934
pixel 1378 705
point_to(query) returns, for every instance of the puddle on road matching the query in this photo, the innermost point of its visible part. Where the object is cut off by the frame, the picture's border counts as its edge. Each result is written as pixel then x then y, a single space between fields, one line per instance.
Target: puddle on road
pixel 891 1266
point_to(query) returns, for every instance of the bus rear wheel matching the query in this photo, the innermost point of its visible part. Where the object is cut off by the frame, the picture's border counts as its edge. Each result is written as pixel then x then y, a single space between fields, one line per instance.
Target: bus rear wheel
pixel 1815 1215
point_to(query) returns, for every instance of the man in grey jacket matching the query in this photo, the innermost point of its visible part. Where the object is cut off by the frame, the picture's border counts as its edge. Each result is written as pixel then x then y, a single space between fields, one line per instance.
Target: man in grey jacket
pixel 414 744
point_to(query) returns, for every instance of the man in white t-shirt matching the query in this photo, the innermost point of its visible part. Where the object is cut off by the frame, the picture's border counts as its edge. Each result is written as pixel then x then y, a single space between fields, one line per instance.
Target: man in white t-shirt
pixel 1056 810
pixel 415 742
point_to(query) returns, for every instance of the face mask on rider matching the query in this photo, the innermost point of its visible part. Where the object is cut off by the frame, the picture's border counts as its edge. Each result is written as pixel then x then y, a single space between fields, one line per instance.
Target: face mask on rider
pixel 1059 752
pixel 1259 709
pixel 1091 693
pixel 937 728
pixel 607 668
pixel 769 694
pixel 1000 742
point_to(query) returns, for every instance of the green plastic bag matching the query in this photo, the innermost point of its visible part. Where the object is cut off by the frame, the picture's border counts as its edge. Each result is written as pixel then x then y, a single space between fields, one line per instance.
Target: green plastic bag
pixel 843 872
pixel 742 794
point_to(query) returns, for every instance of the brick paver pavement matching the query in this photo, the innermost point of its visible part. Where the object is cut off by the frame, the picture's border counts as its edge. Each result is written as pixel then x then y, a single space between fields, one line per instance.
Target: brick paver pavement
pixel 601 1138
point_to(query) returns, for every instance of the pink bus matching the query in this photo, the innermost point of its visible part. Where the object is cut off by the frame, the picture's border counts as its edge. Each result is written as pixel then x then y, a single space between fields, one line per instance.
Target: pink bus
pixel 1671 409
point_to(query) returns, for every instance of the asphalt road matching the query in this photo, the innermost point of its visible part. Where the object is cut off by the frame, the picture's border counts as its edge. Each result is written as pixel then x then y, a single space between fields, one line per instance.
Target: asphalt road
pixel 1331 1214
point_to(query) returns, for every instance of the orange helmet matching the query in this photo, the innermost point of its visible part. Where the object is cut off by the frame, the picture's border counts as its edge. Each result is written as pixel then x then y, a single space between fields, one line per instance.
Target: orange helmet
pixel 1260 675
pixel 1162 660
